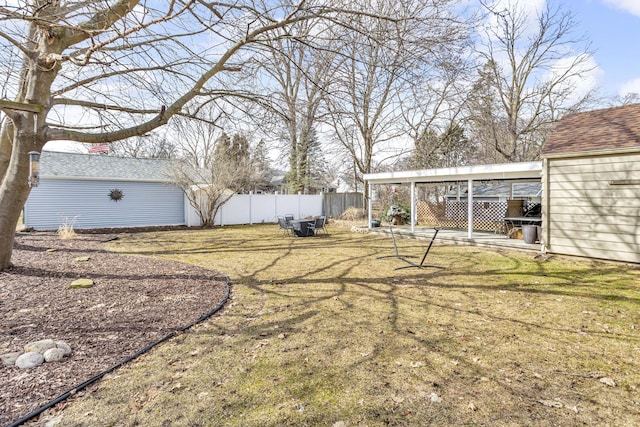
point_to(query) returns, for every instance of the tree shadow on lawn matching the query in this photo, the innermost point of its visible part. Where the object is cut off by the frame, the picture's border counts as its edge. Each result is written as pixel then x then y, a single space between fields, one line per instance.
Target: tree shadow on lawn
pixel 472 370
pixel 514 273
pixel 376 333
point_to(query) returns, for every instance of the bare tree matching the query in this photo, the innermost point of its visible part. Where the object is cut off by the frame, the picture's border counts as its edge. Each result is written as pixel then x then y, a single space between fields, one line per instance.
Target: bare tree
pixel 108 70
pixel 221 174
pixel 384 63
pixel 300 73
pixel 434 117
pixel 151 146
pixel 527 81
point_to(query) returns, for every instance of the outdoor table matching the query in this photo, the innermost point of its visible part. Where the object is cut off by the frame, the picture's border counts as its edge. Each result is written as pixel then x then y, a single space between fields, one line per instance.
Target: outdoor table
pixel 515 221
pixel 302 227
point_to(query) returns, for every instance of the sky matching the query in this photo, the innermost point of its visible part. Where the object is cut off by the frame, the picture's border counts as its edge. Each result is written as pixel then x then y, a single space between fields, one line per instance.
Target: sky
pixel 613 26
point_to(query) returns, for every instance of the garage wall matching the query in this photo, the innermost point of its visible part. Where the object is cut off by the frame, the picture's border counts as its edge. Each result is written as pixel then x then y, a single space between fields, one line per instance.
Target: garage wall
pixel 86 204
pixel 590 210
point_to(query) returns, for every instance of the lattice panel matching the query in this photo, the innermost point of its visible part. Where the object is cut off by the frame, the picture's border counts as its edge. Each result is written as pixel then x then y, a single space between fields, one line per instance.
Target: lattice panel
pixel 487 216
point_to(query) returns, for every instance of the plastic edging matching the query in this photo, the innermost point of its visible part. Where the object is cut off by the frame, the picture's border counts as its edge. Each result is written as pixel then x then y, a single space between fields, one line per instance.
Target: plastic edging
pixel 134 356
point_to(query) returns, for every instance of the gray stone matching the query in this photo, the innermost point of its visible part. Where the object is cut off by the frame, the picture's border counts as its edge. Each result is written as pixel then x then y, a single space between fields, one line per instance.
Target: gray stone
pixel 53 355
pixel 40 346
pixel 29 360
pixel 9 359
pixel 64 346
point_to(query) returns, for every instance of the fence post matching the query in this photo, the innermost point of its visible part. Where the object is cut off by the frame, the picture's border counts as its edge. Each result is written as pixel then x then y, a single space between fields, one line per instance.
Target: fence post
pixel 275 205
pixel 250 210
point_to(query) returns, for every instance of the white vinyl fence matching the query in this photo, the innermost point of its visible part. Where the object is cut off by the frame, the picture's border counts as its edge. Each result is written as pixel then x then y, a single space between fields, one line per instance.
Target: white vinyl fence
pixel 260 208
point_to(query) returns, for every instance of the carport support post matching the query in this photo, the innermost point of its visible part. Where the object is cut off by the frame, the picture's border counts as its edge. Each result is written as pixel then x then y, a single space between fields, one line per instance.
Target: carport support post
pixel 413 206
pixel 370 204
pixel 470 208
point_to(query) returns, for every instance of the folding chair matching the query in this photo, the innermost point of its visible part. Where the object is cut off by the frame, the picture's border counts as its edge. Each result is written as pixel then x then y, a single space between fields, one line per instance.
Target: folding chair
pixel 285 226
pixel 319 224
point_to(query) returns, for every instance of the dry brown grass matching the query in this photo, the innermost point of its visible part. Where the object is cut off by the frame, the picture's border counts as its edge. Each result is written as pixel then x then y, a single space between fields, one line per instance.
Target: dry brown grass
pixel 321 332
pixel 66 231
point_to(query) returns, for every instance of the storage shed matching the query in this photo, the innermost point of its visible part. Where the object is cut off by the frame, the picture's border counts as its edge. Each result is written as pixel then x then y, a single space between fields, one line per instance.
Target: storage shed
pixel 591 185
pixel 99 191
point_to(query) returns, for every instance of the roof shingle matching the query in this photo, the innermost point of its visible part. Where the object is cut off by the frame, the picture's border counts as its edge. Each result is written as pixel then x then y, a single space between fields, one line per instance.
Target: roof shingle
pixel 96 166
pixel 608 129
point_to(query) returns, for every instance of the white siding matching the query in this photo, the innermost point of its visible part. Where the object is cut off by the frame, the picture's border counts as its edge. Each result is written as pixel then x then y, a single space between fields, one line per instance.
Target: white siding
pixel 587 215
pixel 86 204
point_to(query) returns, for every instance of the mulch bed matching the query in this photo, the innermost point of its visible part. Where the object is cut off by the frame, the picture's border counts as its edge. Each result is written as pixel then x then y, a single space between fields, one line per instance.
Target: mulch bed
pixel 134 302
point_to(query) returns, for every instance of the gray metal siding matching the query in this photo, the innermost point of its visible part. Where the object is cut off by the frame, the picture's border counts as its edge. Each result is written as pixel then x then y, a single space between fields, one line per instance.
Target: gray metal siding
pixel 587 215
pixel 86 204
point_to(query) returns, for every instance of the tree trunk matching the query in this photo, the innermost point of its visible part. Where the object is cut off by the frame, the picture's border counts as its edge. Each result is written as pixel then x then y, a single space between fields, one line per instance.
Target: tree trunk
pixel 14 192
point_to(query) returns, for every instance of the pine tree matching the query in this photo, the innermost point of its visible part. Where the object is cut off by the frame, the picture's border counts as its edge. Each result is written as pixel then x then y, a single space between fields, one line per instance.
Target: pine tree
pixel 260 166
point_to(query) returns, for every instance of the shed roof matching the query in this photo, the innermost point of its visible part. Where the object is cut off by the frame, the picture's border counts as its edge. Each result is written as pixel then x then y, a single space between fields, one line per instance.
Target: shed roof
pixel 99 166
pixel 592 132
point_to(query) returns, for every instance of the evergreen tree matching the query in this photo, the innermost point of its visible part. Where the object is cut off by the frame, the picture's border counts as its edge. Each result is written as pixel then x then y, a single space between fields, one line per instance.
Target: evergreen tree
pixel 261 168
pixel 222 151
pixel 317 167
pixel 447 149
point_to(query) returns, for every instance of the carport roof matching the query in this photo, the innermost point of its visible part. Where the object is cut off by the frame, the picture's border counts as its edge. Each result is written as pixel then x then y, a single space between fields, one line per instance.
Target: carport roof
pixel 496 172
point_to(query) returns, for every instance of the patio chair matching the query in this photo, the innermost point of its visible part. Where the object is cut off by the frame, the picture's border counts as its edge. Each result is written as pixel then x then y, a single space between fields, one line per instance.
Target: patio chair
pixel 319 224
pixel 285 226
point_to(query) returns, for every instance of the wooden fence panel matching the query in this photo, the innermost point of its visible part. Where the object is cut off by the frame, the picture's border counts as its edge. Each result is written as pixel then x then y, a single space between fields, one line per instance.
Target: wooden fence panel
pixel 334 204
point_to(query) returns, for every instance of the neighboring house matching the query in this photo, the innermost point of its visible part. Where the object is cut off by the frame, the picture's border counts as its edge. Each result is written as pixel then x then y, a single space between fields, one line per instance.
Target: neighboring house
pixel 278 183
pixel 498 191
pixel 82 190
pixel 591 181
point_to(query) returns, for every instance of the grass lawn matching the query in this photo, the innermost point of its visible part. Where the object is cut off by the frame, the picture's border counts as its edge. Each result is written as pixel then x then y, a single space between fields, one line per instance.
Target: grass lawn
pixel 320 332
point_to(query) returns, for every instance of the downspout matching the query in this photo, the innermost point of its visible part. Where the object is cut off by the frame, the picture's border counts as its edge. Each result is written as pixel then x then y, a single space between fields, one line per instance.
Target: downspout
pixel 546 198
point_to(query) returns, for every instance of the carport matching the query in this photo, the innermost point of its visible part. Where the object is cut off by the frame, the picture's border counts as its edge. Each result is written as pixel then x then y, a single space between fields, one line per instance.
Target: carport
pixel 511 173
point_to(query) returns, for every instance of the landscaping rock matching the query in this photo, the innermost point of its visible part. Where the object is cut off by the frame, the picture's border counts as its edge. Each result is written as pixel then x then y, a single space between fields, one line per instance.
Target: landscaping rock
pixel 81 284
pixel 29 360
pixel 53 355
pixel 552 403
pixel 40 346
pixel 608 381
pixel 36 353
pixel 9 359
pixel 64 346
